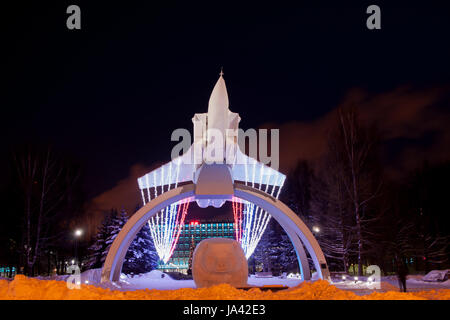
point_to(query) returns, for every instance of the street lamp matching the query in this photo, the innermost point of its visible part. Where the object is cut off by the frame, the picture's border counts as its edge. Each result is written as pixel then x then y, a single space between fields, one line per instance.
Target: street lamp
pixel 316 229
pixel 78 233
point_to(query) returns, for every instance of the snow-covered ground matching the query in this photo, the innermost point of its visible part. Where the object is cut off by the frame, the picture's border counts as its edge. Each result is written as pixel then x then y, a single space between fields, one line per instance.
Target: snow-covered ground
pixel 415 283
pixel 166 288
pixel 389 283
pixel 158 280
pixel 153 280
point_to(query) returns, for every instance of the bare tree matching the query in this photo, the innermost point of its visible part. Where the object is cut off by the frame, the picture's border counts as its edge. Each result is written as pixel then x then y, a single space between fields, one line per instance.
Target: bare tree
pixel 431 246
pixel 319 200
pixel 355 145
pixel 348 180
pixel 45 182
pixel 329 212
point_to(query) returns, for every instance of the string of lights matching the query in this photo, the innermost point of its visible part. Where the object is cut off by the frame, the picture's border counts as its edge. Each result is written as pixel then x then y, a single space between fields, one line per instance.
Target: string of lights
pixel 237 214
pixel 165 226
pixel 251 221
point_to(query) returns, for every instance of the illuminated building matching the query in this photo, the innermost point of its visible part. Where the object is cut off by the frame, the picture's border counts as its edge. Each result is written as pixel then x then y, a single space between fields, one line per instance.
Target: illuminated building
pixel 198 231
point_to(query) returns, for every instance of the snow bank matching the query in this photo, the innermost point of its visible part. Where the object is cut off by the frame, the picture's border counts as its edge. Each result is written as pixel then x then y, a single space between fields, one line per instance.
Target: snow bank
pixel 24 288
pixel 91 276
pixel 314 276
pixel 62 277
pixel 154 274
pixel 436 276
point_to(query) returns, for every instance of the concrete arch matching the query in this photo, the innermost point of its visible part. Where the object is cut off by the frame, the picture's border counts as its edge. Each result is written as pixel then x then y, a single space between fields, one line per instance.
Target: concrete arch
pixel 291 223
pixel 288 220
pixel 300 251
pixel 116 254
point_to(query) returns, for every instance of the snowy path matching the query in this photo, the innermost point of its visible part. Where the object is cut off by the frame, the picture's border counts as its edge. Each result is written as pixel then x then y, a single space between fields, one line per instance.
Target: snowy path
pixel 170 284
pixel 418 285
pixel 390 283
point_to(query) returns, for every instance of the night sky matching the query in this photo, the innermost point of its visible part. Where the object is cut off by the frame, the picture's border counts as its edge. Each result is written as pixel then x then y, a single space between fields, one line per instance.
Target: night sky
pixel 111 93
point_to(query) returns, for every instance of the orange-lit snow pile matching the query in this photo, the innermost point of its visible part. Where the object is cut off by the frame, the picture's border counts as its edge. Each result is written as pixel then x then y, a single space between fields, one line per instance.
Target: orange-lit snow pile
pixel 32 289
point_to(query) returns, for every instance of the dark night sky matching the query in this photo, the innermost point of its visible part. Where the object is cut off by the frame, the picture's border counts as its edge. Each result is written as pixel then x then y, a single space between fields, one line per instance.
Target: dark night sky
pixel 112 93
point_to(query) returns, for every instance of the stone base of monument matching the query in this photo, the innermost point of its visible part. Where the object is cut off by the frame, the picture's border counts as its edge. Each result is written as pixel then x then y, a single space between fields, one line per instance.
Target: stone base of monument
pixel 219 260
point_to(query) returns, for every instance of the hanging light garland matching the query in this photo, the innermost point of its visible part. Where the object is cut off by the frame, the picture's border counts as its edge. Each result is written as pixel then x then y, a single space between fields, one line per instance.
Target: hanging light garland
pixel 251 221
pixel 237 214
pixel 166 225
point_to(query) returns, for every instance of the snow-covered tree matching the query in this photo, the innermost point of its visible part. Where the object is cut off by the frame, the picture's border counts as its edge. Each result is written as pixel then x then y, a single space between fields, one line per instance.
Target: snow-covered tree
pixel 141 256
pixel 107 232
pixel 117 221
pixel 275 251
pixel 261 254
pixel 99 246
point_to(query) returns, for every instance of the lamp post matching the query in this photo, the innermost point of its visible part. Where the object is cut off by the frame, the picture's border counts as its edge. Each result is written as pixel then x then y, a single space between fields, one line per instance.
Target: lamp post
pixel 77 233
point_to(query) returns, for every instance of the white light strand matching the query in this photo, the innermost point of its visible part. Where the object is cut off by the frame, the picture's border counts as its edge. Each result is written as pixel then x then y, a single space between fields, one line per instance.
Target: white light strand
pixel 148 189
pixel 178 173
pixel 255 219
pixel 154 182
pixel 165 235
pixel 283 178
pixel 143 196
pixel 258 215
pixel 254 172
pixel 165 226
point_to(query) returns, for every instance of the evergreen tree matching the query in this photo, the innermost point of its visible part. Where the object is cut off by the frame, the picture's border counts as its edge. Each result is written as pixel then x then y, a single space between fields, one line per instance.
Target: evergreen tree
pixel 96 258
pixel 141 256
pixel 117 221
pixel 107 232
pixel 281 251
pixel 275 250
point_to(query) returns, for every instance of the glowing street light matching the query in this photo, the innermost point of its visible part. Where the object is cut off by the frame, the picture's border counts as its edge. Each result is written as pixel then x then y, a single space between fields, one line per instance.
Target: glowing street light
pixel 316 229
pixel 78 233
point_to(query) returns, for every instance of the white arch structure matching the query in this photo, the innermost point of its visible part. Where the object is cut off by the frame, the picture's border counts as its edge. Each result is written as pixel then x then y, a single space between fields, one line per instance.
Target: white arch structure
pixel 297 231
